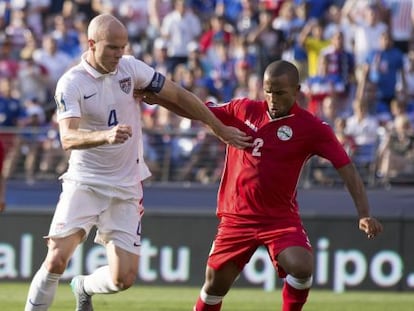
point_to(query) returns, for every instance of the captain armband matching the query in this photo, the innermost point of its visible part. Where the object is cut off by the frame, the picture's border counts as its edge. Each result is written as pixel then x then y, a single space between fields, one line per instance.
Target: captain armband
pixel 156 84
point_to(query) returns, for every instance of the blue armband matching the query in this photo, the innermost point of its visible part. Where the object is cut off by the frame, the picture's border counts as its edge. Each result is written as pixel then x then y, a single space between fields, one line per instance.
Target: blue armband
pixel 156 84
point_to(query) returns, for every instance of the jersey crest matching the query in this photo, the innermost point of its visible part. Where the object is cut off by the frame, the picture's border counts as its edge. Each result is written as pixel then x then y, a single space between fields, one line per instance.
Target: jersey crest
pixel 284 132
pixel 125 85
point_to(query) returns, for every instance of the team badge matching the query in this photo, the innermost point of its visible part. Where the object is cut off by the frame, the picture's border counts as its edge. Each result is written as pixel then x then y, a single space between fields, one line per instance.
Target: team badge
pixel 284 132
pixel 125 85
pixel 60 103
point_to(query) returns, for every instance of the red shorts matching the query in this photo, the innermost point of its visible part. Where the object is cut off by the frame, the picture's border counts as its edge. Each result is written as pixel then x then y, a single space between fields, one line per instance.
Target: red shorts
pixel 238 242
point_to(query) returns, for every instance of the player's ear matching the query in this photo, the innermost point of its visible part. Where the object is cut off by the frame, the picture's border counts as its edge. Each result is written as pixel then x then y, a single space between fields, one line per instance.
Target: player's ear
pixel 91 43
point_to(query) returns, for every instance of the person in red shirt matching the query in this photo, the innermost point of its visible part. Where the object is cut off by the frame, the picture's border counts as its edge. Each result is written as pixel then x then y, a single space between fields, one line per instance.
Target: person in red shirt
pixel 257 196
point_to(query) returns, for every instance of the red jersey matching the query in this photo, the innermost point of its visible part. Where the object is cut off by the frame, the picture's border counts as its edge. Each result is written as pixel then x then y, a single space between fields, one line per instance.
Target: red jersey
pixel 259 184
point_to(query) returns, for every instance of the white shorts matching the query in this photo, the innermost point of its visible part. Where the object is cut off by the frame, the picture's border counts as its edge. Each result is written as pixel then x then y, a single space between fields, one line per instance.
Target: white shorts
pixel 116 213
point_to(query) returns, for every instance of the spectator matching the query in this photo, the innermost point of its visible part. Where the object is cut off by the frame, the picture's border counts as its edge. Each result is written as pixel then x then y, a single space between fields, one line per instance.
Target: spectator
pixel 335 21
pixel 56 62
pixel 53 158
pixel 311 40
pixel 368 29
pixel 179 28
pixel 407 91
pixel 204 9
pixel 316 88
pixel 329 110
pixel 339 63
pixel 223 72
pixel 79 10
pixel 158 58
pixel 28 143
pixel 134 14
pixel 397 151
pixel 34 11
pixel 204 164
pixel 242 73
pixel 32 79
pixel 9 64
pixel 361 125
pixel 230 9
pixel 16 30
pixel 364 127
pixel 66 36
pixel 317 9
pixel 217 29
pixel 10 111
pixel 268 42
pixel 400 18
pixel 248 18
pixel 287 21
pixel 157 10
pixel 382 67
pixel 197 62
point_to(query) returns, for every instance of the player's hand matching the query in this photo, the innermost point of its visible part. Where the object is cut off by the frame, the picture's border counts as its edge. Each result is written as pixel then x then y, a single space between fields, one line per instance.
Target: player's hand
pixel 371 226
pixel 235 137
pixel 119 134
pixel 2 206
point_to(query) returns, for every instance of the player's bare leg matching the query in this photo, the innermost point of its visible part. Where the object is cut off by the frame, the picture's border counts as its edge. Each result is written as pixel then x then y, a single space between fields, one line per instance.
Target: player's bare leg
pixel 298 264
pixel 45 282
pixel 216 286
pixel 118 275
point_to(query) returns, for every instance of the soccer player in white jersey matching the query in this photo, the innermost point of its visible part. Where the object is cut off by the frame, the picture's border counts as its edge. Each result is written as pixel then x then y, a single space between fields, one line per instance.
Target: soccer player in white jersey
pixel 99 121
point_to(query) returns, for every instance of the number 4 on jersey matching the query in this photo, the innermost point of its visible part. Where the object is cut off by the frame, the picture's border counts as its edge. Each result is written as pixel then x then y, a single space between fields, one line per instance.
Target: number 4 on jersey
pixel 112 120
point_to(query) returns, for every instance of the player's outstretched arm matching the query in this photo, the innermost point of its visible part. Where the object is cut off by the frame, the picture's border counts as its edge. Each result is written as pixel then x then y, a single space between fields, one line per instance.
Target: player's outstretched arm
pixel 353 181
pixel 188 105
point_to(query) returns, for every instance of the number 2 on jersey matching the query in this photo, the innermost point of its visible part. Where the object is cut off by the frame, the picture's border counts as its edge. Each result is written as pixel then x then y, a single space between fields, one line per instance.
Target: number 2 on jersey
pixel 112 120
pixel 258 143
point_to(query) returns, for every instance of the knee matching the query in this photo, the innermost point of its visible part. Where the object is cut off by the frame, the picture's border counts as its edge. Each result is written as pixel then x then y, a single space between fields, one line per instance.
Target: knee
pixel 56 264
pixel 125 281
pixel 298 265
pixel 301 270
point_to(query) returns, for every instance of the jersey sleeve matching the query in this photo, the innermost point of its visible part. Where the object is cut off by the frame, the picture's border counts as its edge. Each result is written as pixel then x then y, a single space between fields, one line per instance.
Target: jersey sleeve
pixel 67 98
pixel 226 112
pixel 143 74
pixel 328 146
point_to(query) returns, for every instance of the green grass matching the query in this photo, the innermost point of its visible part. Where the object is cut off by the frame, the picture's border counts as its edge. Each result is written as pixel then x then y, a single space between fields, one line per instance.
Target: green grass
pixel 12 297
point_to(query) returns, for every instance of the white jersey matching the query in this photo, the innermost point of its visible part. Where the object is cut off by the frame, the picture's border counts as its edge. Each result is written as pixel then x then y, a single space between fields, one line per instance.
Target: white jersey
pixel 102 101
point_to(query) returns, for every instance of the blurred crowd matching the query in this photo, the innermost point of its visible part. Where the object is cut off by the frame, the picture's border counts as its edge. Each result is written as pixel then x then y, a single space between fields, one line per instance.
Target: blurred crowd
pixel 355 57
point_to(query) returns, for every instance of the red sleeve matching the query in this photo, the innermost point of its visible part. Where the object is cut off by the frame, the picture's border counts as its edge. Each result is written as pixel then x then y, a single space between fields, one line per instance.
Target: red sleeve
pixel 224 112
pixel 328 146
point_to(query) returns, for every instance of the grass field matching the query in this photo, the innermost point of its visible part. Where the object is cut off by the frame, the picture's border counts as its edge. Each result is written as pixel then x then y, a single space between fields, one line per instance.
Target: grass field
pixel 12 297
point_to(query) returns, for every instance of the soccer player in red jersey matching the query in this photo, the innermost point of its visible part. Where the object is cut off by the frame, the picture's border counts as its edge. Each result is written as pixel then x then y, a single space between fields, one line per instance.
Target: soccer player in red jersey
pixel 257 195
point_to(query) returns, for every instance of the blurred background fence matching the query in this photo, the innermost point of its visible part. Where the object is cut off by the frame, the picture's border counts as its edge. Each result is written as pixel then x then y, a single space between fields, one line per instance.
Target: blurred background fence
pixel 192 155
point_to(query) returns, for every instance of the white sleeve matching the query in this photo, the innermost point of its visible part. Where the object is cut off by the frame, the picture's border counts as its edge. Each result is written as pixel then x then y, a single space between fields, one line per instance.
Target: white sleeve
pixel 67 98
pixel 142 73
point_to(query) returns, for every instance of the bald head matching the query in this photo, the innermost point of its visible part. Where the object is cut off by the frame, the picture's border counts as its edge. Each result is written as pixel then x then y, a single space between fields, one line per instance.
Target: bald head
pixel 104 25
pixel 282 67
pixel 107 39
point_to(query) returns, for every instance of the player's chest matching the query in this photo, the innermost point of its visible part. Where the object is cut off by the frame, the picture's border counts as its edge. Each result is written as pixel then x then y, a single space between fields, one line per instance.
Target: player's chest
pixel 282 141
pixel 107 98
